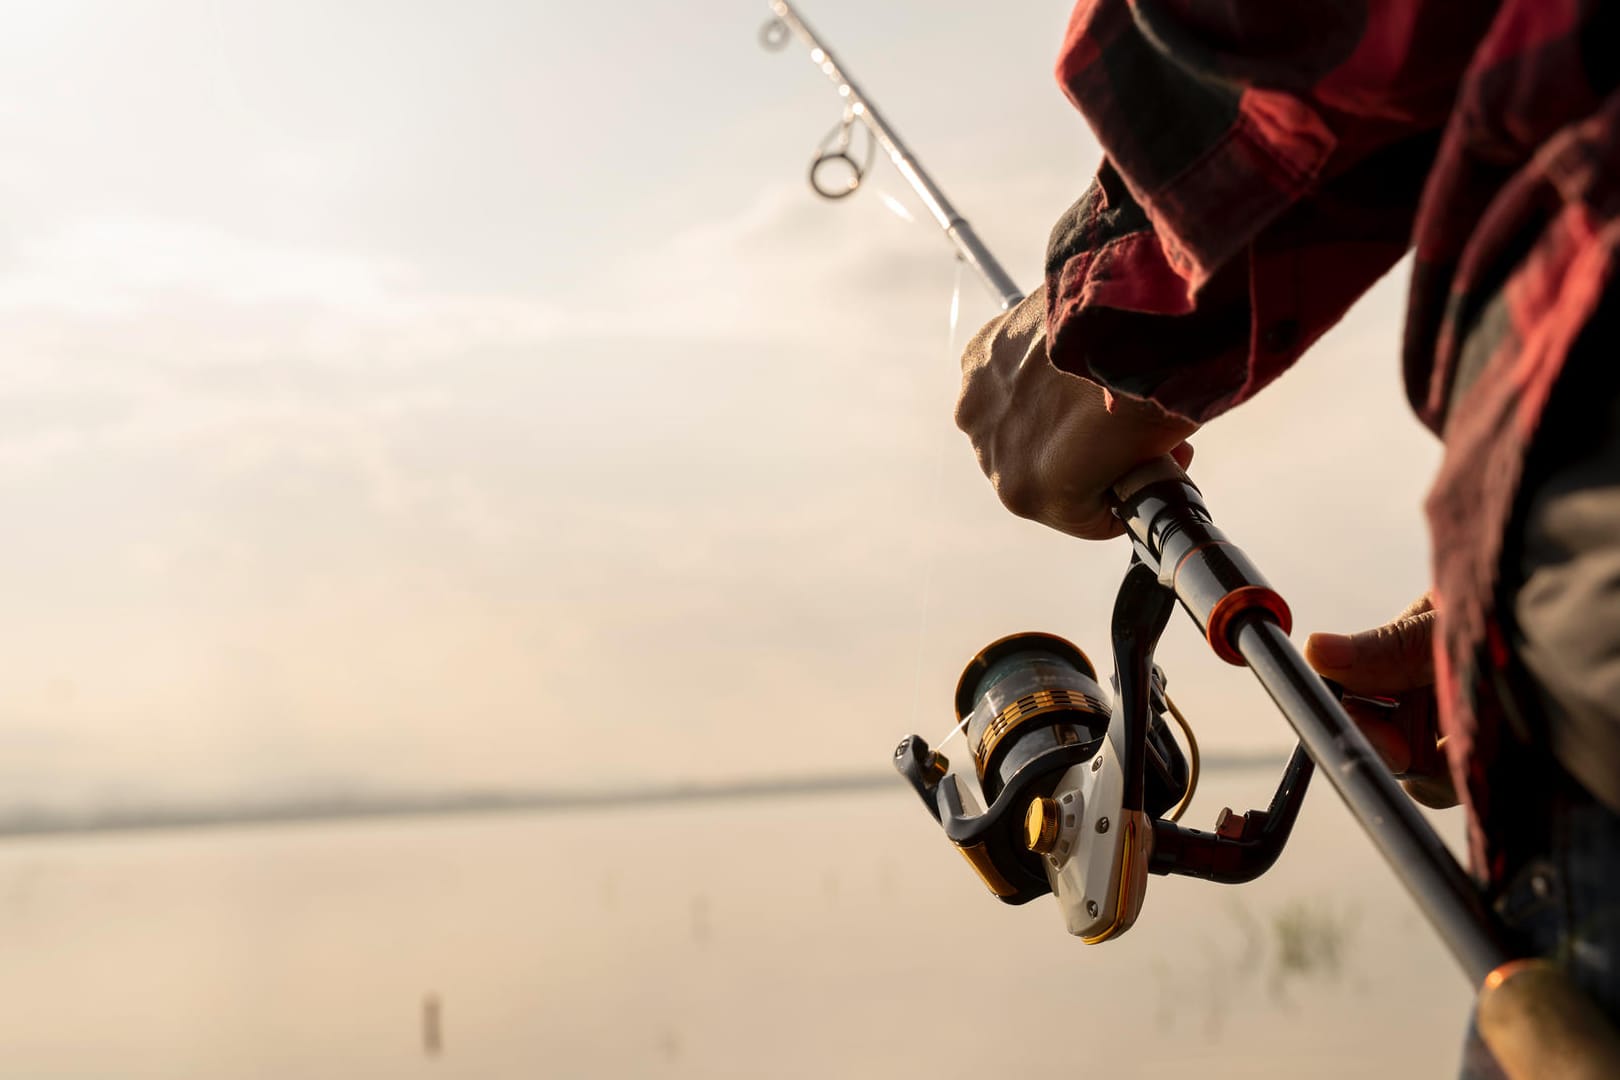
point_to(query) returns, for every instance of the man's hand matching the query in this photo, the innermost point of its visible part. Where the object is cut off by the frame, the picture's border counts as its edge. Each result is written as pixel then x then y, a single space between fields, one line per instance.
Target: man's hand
pixel 1394 661
pixel 1046 439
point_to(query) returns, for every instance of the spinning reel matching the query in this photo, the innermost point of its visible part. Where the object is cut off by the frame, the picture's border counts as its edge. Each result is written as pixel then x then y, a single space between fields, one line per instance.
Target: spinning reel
pixel 1079 797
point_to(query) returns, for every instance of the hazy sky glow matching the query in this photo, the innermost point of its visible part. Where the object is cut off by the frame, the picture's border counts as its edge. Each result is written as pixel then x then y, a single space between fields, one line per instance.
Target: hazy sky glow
pixel 471 395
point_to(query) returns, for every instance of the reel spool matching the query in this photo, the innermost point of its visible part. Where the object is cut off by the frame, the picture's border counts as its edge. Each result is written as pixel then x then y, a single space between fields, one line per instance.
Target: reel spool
pixel 1029 693
pixel 1022 696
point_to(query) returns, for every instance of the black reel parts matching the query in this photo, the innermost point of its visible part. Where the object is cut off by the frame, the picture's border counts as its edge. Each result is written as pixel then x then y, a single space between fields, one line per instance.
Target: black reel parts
pixel 1076 795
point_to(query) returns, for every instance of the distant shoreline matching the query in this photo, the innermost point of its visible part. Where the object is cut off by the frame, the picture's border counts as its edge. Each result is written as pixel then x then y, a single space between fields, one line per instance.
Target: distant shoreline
pixel 29 822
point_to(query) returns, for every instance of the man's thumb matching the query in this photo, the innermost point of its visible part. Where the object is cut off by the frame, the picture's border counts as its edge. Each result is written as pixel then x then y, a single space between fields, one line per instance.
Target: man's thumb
pixel 1395 657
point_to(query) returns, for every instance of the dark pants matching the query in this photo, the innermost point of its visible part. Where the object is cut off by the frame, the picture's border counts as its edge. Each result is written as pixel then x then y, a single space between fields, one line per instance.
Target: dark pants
pixel 1560 599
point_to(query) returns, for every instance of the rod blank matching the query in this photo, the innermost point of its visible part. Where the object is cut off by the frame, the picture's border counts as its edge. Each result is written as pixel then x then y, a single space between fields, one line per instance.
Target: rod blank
pixel 1419 859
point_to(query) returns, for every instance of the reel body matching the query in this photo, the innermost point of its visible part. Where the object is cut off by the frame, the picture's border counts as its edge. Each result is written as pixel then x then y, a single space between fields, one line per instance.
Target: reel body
pixel 1071 787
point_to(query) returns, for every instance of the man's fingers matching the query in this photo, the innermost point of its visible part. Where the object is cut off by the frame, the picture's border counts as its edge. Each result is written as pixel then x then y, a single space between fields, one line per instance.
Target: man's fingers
pixel 1385 737
pixel 1416 607
pixel 1053 443
pixel 1435 792
pixel 1395 657
pixel 1427 780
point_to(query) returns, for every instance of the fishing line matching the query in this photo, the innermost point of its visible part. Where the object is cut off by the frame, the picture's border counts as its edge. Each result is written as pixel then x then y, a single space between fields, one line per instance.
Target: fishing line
pixel 898 209
pixel 837 151
pixel 935 497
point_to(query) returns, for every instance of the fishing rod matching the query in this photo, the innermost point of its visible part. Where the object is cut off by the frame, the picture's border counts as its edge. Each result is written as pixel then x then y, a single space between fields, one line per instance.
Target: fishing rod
pixel 1076 793
pixel 835 152
pixel 1246 622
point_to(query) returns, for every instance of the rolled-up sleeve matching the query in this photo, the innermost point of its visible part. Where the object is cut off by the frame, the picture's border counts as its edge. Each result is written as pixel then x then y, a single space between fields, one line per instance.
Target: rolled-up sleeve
pixel 1263 165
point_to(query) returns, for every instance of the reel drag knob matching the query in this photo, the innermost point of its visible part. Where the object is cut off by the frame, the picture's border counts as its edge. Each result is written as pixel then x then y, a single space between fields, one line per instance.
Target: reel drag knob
pixel 1041 826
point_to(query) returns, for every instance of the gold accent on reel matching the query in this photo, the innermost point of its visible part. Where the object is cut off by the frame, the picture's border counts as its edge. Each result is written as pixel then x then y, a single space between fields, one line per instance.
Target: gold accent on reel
pixel 1027 708
pixel 978 857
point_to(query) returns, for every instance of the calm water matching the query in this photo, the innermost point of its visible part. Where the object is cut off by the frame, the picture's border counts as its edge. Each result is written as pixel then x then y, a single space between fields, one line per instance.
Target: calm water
pixel 807 938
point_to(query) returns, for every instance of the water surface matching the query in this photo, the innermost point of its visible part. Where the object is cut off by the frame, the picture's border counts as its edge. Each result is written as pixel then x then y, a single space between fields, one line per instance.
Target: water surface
pixel 802 937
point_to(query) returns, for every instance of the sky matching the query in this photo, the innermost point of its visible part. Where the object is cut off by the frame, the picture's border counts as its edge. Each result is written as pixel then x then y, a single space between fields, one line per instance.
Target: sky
pixel 441 396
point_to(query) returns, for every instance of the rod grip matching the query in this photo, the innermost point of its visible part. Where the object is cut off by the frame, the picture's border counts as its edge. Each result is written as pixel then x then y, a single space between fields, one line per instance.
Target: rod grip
pixel 1164 513
pixel 1539 1025
pixel 1149 472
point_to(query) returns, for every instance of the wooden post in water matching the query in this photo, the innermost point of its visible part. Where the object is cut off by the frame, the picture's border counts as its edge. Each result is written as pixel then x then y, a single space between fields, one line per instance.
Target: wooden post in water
pixel 432 1026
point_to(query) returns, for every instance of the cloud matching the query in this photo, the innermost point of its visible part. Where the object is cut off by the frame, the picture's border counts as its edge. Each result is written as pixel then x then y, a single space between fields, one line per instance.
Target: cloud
pixel 305 509
pixel 312 505
pixel 119 267
pixel 786 265
pixel 170 285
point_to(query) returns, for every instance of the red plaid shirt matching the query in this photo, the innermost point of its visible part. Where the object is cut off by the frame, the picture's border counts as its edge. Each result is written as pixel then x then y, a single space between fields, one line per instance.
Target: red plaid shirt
pixel 1268 160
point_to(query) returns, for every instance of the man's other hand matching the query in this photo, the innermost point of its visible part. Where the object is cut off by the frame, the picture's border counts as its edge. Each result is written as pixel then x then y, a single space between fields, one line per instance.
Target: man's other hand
pixel 1046 439
pixel 1394 661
